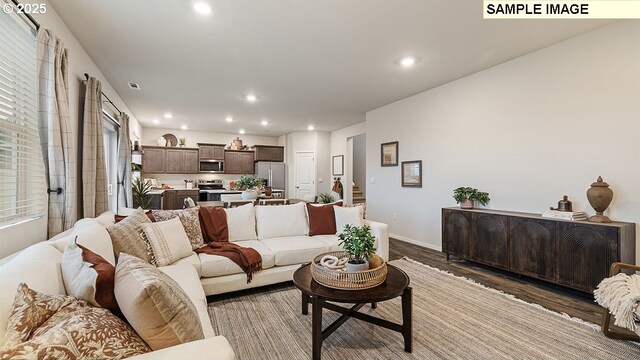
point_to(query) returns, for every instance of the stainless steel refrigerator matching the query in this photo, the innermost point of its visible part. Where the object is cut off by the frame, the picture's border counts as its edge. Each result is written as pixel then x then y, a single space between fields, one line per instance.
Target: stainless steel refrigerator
pixel 274 172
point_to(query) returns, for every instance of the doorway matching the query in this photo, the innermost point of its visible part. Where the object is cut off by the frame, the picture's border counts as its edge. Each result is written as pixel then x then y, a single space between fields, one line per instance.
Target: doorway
pixel 305 185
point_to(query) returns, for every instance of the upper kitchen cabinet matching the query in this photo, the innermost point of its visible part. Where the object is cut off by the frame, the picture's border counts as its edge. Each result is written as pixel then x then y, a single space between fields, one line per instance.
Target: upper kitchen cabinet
pixel 269 153
pixel 153 159
pixel 238 162
pixel 160 160
pixel 181 161
pixel 211 151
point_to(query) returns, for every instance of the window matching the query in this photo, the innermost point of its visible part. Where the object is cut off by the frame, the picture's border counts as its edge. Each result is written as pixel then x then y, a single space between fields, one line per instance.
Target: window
pixel 110 140
pixel 23 193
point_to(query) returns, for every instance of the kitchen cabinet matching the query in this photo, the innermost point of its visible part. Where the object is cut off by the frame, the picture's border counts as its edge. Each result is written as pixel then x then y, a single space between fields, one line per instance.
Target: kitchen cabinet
pixel 153 159
pixel 210 151
pixel 174 199
pixel 269 153
pixel 161 160
pixel 575 254
pixel 238 162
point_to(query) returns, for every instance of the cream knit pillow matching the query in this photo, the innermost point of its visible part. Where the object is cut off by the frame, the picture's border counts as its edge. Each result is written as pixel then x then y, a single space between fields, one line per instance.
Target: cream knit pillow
pixel 168 241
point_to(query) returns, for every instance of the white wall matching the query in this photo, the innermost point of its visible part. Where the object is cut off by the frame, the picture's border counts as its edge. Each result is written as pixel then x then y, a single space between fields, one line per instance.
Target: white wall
pixel 314 141
pixel 20 236
pixel 360 162
pixel 339 140
pixel 527 131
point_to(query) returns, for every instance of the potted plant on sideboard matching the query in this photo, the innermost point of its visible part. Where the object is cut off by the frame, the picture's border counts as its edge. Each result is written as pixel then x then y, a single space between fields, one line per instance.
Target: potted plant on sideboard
pixel 249 184
pixel 467 196
pixel 358 242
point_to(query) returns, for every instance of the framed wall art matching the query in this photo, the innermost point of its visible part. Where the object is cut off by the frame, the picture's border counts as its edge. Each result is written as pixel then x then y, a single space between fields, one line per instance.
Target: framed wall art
pixel 412 173
pixel 337 165
pixel 389 154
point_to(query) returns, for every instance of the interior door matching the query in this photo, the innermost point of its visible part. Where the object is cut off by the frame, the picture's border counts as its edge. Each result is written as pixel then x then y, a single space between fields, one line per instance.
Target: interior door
pixel 305 174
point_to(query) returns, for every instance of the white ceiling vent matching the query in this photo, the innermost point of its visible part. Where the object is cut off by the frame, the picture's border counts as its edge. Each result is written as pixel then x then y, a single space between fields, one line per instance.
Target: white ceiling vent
pixel 134 86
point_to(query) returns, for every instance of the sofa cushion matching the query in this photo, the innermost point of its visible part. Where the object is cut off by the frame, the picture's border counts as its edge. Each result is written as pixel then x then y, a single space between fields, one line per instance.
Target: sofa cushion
pixel 241 222
pixel 168 241
pixel 295 249
pixel 281 221
pixel 89 276
pixel 155 305
pixel 190 222
pixel 91 234
pixel 117 218
pixel 189 281
pixel 322 219
pixel 348 215
pixel 331 241
pixel 126 236
pixel 38 267
pixel 191 260
pixel 214 265
pixel 59 326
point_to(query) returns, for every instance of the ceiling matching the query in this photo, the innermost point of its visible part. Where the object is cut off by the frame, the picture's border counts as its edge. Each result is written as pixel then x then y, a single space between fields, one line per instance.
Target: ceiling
pixel 320 62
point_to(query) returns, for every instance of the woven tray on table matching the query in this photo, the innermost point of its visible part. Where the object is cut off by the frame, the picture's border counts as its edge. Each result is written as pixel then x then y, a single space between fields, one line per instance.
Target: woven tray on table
pixel 343 280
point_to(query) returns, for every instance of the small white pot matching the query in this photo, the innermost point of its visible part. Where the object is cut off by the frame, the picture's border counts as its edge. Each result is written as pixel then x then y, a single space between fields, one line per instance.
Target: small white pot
pixel 356 267
pixel 249 194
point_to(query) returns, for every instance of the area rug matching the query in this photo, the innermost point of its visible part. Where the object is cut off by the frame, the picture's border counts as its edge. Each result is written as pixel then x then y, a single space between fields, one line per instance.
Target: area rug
pixel 453 318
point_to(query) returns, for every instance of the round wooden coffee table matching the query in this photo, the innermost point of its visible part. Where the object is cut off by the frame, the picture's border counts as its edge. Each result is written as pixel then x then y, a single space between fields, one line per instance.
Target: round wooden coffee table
pixel 396 284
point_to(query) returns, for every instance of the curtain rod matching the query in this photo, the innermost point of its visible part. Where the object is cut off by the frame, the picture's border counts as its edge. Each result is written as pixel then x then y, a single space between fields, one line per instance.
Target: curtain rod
pixel 105 96
pixel 27 15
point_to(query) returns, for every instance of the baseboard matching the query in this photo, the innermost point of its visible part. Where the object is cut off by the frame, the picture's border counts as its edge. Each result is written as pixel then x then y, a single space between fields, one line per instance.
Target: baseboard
pixel 415 242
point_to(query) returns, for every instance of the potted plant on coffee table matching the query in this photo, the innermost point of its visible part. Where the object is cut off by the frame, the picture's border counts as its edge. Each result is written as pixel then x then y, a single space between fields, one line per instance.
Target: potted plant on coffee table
pixel 467 196
pixel 249 184
pixel 358 242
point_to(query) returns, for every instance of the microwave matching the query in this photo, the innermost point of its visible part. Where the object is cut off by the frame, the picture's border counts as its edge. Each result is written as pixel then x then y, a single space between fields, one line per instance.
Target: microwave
pixel 211 166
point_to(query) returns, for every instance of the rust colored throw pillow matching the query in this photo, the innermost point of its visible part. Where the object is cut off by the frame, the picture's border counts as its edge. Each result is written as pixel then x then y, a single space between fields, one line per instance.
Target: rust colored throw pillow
pixel 117 218
pixel 62 327
pixel 322 219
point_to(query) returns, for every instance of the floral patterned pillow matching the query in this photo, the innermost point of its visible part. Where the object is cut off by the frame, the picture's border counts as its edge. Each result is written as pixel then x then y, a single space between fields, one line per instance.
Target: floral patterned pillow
pixel 62 327
pixel 190 222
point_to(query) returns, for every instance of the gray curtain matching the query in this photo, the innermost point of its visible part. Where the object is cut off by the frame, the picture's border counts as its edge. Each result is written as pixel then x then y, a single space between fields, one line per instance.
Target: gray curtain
pixel 125 198
pixel 94 172
pixel 55 131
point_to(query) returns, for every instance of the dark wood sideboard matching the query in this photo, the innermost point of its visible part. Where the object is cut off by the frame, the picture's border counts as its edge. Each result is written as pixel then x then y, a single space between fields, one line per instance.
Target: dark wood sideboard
pixel 575 254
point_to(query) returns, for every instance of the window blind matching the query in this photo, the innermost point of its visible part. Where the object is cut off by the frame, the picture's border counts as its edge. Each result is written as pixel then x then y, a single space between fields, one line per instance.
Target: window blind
pixel 22 179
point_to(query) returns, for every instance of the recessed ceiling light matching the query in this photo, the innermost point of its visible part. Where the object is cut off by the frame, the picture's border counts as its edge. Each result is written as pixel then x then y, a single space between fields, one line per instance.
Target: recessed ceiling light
pixel 228 119
pixel 251 98
pixel 156 121
pixel 310 128
pixel 168 115
pixel 408 61
pixel 241 131
pixel 183 127
pixel 264 123
pixel 202 8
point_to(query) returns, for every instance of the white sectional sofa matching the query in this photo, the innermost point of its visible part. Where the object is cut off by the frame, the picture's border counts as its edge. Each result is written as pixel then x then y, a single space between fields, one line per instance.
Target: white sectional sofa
pixel 199 275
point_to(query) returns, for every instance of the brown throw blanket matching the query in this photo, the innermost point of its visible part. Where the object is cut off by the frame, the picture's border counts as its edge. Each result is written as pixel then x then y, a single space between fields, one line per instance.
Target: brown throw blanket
pixel 213 223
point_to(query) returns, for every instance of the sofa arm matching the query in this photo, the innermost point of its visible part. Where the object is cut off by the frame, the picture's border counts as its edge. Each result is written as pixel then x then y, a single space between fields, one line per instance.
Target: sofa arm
pixel 381 232
pixel 213 348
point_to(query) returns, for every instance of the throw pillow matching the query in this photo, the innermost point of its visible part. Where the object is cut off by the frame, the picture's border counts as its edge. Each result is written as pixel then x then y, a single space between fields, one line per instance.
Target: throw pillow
pixel 155 305
pixel 126 237
pixel 241 222
pixel 281 221
pixel 117 218
pixel 322 220
pixel 62 327
pixel 88 276
pixel 190 222
pixel 347 215
pixel 168 241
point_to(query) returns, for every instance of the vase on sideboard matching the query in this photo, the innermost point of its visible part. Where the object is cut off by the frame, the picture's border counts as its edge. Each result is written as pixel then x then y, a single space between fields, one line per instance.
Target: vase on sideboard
pixel 600 196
